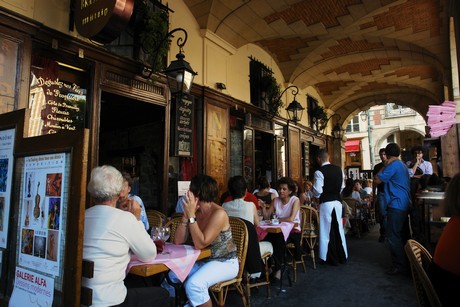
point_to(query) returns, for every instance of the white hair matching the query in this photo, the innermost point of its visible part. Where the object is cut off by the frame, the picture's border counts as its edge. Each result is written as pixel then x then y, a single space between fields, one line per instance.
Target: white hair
pixel 105 184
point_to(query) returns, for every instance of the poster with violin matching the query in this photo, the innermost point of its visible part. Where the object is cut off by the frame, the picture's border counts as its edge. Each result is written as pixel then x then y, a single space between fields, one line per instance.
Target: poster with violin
pixel 40 218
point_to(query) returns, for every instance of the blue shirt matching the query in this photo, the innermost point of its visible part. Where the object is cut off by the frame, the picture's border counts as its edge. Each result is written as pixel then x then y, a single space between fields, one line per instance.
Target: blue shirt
pixel 144 218
pixel 180 205
pixel 396 178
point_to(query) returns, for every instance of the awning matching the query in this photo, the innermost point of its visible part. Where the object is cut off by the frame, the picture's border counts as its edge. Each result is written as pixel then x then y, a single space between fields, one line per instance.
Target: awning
pixel 352 146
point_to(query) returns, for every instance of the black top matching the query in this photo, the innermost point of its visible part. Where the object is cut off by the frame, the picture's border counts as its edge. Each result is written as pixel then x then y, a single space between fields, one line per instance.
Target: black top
pixel 377 168
pixel 333 179
pixel 267 199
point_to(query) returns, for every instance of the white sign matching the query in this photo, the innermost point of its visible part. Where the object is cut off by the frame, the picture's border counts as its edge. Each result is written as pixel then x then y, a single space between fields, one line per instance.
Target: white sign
pixel 6 175
pixel 31 289
pixel 182 187
pixel 40 212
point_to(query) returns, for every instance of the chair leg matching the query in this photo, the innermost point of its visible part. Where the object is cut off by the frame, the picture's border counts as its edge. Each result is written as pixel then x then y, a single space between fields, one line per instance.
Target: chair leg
pixel 312 253
pixel 267 279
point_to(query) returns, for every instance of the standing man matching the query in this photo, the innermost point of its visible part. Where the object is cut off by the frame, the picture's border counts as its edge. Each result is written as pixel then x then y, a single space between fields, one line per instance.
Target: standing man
pixel 379 198
pixel 329 182
pixel 397 198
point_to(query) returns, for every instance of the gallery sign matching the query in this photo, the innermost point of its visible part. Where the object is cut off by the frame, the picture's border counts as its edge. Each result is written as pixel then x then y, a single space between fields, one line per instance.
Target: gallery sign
pixel 102 20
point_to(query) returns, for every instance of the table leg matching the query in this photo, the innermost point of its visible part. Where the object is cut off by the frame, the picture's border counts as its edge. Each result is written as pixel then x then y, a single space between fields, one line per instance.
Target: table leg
pixel 178 287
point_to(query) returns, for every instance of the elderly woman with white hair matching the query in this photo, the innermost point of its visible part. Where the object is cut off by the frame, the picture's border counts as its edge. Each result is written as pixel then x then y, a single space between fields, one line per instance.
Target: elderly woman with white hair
pixel 110 235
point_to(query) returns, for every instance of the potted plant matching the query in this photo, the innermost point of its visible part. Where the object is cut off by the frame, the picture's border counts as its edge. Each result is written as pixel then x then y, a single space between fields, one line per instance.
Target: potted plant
pixel 270 92
pixel 152 24
pixel 319 116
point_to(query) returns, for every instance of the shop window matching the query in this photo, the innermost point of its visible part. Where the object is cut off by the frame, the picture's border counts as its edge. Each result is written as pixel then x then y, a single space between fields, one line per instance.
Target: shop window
pixel 258 76
pixel 353 125
pixel 58 96
pixel 9 52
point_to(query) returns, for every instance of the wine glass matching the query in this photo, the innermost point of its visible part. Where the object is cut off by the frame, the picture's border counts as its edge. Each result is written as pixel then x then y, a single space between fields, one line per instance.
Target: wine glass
pixel 155 233
pixel 165 233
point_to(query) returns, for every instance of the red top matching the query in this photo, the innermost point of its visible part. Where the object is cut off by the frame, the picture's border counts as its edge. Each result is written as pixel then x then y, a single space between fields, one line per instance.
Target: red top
pixel 247 197
pixel 447 252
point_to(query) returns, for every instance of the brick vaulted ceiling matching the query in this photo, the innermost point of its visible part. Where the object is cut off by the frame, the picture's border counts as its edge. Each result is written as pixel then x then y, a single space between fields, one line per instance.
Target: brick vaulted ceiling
pixel 356 53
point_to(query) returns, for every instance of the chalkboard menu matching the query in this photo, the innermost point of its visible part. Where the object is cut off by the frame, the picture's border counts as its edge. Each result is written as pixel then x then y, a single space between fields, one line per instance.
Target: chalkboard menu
pixel 236 152
pixel 306 159
pixel 183 127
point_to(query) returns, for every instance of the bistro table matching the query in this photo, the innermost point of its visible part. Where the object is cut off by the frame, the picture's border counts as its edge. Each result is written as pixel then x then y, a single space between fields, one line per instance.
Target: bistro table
pixel 177 258
pixel 285 228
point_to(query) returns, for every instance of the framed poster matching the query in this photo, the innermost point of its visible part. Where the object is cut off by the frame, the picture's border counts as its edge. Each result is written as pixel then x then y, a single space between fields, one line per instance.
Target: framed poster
pixel 6 175
pixel 353 173
pixel 42 212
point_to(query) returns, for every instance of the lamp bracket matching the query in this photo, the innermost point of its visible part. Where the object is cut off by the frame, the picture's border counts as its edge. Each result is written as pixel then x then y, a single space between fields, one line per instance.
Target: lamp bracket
pixel 181 40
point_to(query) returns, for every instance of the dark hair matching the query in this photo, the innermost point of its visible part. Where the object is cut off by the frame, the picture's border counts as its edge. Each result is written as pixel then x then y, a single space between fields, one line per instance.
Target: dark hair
pixel 381 150
pixel 323 154
pixel 286 180
pixel 204 187
pixel 237 187
pixel 416 148
pixel 393 150
pixel 127 178
pixel 263 183
pixel 349 183
pixel 452 195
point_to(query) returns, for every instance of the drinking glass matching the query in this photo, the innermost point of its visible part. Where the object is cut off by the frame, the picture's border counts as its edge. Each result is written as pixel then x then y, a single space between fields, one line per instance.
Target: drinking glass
pixel 155 233
pixel 165 233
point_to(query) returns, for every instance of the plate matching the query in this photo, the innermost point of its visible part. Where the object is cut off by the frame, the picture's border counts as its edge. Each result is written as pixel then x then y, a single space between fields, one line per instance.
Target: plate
pixel 265 223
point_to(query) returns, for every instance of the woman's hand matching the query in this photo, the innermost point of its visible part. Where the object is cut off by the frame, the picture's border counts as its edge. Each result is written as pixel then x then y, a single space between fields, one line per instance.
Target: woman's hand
pixel 128 204
pixel 190 204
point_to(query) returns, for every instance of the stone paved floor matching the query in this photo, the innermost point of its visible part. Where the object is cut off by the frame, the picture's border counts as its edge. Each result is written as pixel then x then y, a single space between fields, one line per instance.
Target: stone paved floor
pixel 360 282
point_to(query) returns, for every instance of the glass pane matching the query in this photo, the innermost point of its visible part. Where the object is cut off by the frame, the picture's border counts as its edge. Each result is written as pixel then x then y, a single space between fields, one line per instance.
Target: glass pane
pixel 8 73
pixel 57 98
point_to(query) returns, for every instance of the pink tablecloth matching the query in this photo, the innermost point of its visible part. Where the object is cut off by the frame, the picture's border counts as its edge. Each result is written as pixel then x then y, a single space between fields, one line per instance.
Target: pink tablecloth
pixel 178 258
pixel 285 227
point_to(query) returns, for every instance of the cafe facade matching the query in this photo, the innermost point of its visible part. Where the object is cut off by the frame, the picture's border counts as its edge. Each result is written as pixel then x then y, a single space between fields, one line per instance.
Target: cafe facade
pixel 81 92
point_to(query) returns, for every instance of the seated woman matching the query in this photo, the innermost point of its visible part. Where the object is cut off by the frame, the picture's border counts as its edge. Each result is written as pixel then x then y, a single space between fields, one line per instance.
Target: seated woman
pixel 306 197
pixel 263 194
pixel 242 209
pixel 208 226
pixel 444 271
pixel 287 209
pixel 110 235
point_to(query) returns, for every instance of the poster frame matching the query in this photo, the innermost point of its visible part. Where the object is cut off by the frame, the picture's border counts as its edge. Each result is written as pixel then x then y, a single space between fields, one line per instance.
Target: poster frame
pixel 76 144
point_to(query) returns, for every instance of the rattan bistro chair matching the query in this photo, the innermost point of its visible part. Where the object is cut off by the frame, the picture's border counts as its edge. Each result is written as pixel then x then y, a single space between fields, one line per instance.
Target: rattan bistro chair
pixel 240 237
pixel 156 218
pixel 419 259
pixel 356 218
pixel 310 233
pixel 173 224
pixel 291 247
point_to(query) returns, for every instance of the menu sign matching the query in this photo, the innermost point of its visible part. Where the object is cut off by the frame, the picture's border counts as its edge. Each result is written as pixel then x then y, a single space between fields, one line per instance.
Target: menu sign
pixel 55 105
pixel 183 132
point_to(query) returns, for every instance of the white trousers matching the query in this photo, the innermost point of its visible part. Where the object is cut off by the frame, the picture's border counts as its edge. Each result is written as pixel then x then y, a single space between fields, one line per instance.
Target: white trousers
pixel 325 219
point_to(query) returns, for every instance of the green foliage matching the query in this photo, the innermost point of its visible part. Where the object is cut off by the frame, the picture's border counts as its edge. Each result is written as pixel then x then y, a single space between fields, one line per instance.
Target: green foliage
pixel 153 38
pixel 272 95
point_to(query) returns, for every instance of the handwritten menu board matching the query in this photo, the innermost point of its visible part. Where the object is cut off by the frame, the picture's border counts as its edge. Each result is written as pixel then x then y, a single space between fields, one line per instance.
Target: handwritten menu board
pixel 55 104
pixel 183 128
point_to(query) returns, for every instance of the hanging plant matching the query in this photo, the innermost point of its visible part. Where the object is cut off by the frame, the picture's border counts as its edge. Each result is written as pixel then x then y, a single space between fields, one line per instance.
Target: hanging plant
pixel 153 36
pixel 319 116
pixel 271 95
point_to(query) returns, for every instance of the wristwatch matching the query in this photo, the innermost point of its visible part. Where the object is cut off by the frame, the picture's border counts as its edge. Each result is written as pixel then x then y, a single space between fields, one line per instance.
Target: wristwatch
pixel 192 220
